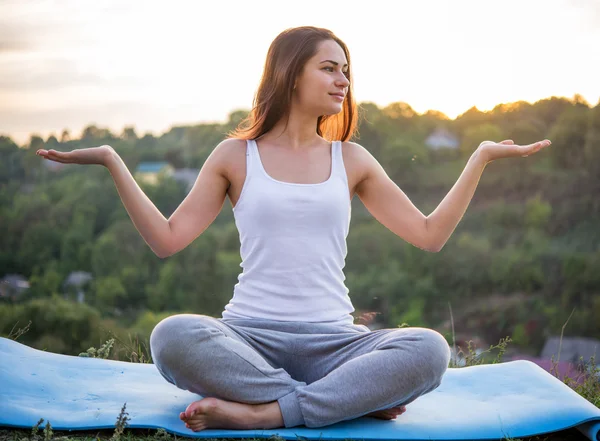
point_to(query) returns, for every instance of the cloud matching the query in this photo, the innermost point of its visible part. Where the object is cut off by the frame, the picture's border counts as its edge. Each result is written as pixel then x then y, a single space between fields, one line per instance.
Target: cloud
pixel 28 75
pixel 13 38
pixel 47 25
pixel 13 46
pixel 114 115
pixel 107 113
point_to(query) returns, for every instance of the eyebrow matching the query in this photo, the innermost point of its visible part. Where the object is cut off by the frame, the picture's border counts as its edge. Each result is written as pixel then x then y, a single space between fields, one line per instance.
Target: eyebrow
pixel 335 63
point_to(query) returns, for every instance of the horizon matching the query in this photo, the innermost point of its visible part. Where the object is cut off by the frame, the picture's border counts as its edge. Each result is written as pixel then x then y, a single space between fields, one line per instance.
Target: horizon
pixel 65 66
pixel 118 131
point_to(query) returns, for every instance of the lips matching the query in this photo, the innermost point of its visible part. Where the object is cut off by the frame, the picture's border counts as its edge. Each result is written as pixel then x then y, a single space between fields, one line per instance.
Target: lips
pixel 341 95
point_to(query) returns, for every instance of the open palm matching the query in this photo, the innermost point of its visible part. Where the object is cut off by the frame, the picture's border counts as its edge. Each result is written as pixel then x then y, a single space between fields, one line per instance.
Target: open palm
pixel 508 149
pixel 91 155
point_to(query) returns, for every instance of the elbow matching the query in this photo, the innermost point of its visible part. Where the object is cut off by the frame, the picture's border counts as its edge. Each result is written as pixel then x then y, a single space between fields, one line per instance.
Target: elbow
pixel 163 253
pixel 435 249
pixel 432 245
pixel 165 250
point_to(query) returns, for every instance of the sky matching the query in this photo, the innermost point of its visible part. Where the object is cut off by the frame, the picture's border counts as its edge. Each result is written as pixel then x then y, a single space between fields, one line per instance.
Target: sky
pixel 66 64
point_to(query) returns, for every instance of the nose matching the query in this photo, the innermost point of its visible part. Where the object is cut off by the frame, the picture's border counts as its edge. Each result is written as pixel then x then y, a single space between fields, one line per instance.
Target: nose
pixel 342 81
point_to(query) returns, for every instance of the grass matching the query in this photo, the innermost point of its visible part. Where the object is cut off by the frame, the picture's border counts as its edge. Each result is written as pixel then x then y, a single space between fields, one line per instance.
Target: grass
pixel 588 388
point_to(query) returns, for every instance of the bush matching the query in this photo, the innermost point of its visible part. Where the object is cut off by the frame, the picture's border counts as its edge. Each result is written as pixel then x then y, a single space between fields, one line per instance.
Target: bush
pixel 57 324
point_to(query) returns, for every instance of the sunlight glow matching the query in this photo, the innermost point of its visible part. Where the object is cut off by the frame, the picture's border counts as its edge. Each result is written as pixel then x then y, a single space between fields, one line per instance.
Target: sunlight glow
pixel 157 64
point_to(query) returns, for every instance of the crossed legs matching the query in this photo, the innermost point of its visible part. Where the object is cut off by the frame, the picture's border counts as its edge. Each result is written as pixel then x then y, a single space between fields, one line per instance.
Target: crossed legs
pixel 374 373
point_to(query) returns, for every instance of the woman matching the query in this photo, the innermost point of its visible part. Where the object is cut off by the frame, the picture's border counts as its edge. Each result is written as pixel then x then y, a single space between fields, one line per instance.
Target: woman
pixel 286 351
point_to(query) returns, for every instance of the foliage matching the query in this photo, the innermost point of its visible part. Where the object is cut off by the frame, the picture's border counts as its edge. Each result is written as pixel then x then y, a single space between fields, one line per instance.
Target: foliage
pixel 531 229
pixel 474 358
pixel 102 352
pixel 122 421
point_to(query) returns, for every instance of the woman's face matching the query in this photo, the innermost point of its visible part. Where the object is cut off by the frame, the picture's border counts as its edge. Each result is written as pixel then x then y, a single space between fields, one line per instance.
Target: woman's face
pixel 321 80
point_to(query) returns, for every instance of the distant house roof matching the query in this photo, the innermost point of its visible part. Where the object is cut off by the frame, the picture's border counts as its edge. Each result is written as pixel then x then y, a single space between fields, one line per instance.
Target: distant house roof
pixel 16 280
pixel 186 175
pixel 572 349
pixel 77 278
pixel 151 167
pixel 11 285
pixel 442 138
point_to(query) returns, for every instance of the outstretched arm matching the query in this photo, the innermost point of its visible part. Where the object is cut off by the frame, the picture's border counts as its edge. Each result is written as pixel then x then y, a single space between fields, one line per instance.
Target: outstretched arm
pixel 147 219
pixel 386 201
pixel 390 205
pixel 444 219
pixel 197 211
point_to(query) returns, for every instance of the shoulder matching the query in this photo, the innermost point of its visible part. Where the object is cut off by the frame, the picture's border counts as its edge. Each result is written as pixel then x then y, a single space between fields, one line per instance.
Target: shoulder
pixel 358 160
pixel 230 156
pixel 230 146
pixel 355 151
pixel 227 151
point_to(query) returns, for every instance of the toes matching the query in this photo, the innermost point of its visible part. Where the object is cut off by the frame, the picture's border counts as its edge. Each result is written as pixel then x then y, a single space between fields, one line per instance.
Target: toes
pixel 195 426
pixel 383 417
pixel 189 411
pixel 387 415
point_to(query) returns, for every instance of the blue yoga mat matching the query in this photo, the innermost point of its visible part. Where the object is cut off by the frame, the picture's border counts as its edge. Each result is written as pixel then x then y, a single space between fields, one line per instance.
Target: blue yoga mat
pixel 513 399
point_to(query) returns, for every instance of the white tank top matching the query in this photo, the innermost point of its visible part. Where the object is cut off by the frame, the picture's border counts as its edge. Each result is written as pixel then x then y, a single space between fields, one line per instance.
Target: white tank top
pixel 293 246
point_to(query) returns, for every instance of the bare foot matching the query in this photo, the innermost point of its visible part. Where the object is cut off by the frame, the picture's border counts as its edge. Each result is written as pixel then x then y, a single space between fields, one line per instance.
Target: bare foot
pixel 388 414
pixel 213 413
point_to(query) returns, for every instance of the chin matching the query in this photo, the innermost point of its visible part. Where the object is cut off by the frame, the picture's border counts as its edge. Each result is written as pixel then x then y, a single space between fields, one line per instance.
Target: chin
pixel 333 111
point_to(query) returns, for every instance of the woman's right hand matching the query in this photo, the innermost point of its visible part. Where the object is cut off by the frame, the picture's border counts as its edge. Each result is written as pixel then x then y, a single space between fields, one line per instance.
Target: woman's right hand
pixel 93 155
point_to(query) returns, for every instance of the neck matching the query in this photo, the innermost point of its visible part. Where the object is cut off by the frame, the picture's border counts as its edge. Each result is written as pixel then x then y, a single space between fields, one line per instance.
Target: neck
pixel 301 132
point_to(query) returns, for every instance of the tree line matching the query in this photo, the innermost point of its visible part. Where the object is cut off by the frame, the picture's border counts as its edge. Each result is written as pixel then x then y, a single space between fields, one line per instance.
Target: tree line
pixel 532 231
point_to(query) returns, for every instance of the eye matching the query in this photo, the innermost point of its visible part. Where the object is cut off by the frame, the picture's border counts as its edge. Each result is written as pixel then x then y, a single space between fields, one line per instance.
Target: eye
pixel 346 73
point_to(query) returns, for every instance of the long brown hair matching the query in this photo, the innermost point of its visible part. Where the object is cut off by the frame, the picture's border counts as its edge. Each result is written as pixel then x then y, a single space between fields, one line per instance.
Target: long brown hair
pixel 286 58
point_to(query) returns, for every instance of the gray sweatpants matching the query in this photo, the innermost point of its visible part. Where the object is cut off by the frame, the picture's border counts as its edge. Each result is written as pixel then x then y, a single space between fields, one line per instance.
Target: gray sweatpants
pixel 319 373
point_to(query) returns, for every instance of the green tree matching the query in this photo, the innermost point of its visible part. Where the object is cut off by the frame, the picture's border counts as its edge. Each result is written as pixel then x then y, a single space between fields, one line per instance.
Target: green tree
pixel 190 280
pixel 119 246
pixel 129 134
pixel 537 213
pixel 45 281
pixel 568 137
pixel 404 158
pixel 11 166
pixel 73 327
pixel 591 150
pixel 39 245
pixel 475 135
pixel 109 294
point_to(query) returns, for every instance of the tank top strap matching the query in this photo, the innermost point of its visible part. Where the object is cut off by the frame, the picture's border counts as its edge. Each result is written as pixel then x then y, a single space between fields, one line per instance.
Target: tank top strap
pixel 338 159
pixel 253 165
pixel 252 158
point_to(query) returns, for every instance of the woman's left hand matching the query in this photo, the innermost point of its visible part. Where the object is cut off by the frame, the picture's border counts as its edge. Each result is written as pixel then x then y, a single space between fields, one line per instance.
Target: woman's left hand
pixel 507 149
